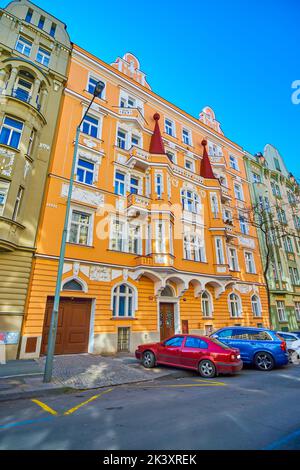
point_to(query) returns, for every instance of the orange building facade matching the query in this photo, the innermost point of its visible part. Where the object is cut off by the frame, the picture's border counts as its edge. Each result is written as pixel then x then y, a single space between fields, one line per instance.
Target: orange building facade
pixel 158 239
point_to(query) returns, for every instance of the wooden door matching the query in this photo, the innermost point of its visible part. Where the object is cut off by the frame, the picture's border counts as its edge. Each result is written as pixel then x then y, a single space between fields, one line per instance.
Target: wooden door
pixel 166 319
pixel 73 326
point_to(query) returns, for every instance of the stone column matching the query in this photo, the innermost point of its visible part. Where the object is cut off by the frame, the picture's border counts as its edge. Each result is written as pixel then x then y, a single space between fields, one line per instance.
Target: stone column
pixel 36 87
pixel 11 81
pixel 44 95
pixel 2 80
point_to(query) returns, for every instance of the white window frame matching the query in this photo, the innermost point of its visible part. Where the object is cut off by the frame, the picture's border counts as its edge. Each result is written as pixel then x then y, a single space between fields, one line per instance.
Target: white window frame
pixel 186 136
pixel 120 182
pixel 88 212
pixel 220 256
pixel 238 191
pixel 85 170
pixel 244 223
pixel 12 130
pixel 172 127
pixel 4 188
pixel 46 58
pixel 98 126
pixel 208 301
pixel 249 262
pixel 238 310
pixel 281 312
pixel 92 76
pixel 234 264
pixel 233 162
pixel 214 204
pixel 160 237
pixel 190 161
pixel 134 296
pixel 297 311
pixel 26 43
pixel 190 204
pixel 159 184
pixel 256 302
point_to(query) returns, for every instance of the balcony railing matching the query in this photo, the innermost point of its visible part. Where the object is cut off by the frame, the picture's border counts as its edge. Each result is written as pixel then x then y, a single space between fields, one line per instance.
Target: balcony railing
pixel 138 201
pixel 132 114
pixel 23 95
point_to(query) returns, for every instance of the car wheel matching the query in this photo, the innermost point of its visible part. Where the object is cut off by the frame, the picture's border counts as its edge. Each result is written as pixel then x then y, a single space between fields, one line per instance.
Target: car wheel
pixel 148 359
pixel 207 369
pixel 264 361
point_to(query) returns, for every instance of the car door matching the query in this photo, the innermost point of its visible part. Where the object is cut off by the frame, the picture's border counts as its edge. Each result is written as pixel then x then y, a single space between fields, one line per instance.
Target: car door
pixel 238 339
pixel 169 351
pixel 224 335
pixel 192 350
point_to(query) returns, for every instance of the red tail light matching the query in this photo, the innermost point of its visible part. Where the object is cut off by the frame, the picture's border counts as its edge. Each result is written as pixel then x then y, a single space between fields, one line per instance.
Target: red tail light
pixel 283 346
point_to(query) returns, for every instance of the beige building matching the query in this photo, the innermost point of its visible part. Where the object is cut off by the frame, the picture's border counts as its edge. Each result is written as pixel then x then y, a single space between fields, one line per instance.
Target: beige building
pixel 34 56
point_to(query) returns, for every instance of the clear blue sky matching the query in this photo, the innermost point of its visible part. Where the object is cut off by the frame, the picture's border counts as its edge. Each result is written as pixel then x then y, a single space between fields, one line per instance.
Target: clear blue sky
pixel 238 56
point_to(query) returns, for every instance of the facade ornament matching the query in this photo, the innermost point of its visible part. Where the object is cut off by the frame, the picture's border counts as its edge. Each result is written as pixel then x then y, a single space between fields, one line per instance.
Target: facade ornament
pixel 99 273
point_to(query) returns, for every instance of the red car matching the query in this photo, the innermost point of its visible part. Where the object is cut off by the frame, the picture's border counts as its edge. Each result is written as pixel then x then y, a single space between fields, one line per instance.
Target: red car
pixel 206 355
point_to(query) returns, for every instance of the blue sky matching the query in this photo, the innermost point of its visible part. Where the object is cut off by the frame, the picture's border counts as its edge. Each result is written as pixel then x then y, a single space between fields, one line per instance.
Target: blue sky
pixel 238 56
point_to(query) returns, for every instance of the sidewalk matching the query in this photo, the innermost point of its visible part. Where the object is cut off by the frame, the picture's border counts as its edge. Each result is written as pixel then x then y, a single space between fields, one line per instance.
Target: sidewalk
pixel 24 379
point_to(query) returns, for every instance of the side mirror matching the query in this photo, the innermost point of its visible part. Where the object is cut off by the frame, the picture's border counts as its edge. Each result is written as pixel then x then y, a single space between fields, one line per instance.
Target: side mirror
pixel 215 336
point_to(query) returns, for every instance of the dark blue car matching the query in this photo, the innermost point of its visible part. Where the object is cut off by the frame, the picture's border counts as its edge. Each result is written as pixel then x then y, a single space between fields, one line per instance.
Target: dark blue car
pixel 258 346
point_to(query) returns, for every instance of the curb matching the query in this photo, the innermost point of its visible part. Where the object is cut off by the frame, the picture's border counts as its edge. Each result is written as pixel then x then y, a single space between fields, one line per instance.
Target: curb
pixel 34 393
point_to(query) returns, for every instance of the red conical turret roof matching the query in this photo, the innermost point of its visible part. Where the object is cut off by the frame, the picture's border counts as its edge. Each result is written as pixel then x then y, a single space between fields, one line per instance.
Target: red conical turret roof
pixel 205 168
pixel 156 144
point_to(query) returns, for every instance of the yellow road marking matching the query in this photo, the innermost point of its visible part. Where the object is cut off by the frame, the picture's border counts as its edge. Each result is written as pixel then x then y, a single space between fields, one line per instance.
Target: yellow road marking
pixel 44 406
pixel 71 410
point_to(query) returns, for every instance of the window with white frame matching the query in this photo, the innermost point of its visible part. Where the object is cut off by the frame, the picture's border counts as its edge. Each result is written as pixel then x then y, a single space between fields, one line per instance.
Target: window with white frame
pixel 125 237
pixel 169 127
pixel 135 140
pixel 256 177
pixel 90 126
pixel 158 179
pixel 244 226
pixel 117 235
pixel 23 46
pixel 43 56
pixel 249 260
pixel 123 301
pixel 214 204
pixel 186 137
pixel 120 182
pixel 134 185
pixel 11 132
pixel 193 247
pixel 85 171
pixel 297 311
pixel 294 276
pixel 227 215
pixel 4 187
pixel 219 250
pixel 31 142
pixel 233 259
pixel 160 233
pixel 134 239
pixel 206 304
pixel 238 191
pixel 18 202
pixel 288 245
pixel 171 156
pixel 280 306
pixel 92 82
pixel 256 306
pixel 80 227
pixel 235 306
pixel 189 164
pixel 190 201
pixel 121 139
pixel 233 162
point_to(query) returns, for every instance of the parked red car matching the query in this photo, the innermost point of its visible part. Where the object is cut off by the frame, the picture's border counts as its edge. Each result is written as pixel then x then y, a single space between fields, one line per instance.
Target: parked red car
pixel 208 356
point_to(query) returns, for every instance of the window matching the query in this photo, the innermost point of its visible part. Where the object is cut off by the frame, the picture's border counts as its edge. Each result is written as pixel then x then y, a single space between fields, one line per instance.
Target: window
pixel 233 162
pixel 233 259
pixel 90 126
pixel 85 171
pixel 41 22
pixel 288 246
pixel 123 298
pixel 189 164
pixel 297 311
pixel 121 139
pixel 193 247
pixel 281 215
pixel 235 306
pixel 281 310
pixel 256 306
pixel 296 220
pixel 238 192
pixel 190 201
pixel 131 103
pixel 176 341
pixel 18 203
pixel 80 228
pixel 275 189
pixel 225 334
pixel 277 165
pixel 186 137
pixel 22 89
pixel 206 304
pixel 159 184
pixel 119 183
pixel 134 239
pixel 29 14
pixel 169 127
pixel 256 178
pixel 160 242
pixel 52 29
pixel 117 237
pixel 43 56
pixel 23 46
pixel 214 204
pixel 171 156
pixel 197 343
pixel 219 251
pixel 134 185
pixel 243 224
pixel 294 276
pixel 250 266
pixel 123 339
pixel 31 142
pixel 11 132
pixel 4 187
pixel 72 285
pixel 135 140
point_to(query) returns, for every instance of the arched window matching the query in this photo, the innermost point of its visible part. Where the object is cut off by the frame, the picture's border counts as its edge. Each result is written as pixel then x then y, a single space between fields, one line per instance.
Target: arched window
pixel 73 285
pixel 123 301
pixel 256 306
pixel 235 307
pixel 167 292
pixel 206 304
pixel 190 201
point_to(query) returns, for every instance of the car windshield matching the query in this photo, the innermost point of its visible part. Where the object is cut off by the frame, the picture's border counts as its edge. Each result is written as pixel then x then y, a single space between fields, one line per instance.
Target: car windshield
pixel 219 343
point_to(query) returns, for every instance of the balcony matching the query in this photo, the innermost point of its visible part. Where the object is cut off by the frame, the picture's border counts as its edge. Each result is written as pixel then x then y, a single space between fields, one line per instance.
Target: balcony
pixel 225 196
pixel 143 261
pixel 138 202
pixel 132 115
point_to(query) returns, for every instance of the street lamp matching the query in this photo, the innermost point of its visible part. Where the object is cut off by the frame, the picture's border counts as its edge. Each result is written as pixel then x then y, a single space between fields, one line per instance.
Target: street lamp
pixel 54 316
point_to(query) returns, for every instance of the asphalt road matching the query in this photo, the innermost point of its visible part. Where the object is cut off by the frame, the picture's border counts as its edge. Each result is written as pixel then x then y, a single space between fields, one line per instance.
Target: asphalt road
pixel 253 410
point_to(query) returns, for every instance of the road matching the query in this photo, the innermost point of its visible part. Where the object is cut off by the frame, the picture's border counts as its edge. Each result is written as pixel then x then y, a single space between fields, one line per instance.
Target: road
pixel 253 410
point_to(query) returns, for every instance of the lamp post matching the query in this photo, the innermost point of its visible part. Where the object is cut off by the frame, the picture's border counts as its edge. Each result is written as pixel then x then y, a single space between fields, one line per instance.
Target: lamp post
pixel 54 315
